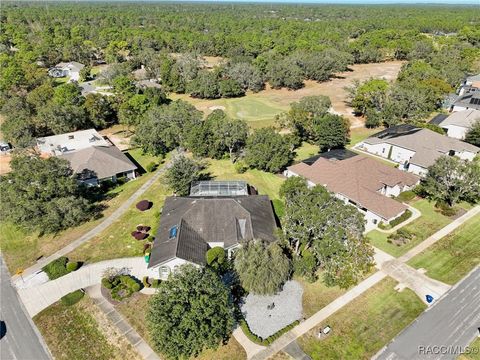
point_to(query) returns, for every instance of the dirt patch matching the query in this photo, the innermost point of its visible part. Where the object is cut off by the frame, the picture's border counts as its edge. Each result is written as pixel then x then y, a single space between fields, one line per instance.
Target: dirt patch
pixel 5 163
pixel 335 87
pixel 118 136
pixel 216 107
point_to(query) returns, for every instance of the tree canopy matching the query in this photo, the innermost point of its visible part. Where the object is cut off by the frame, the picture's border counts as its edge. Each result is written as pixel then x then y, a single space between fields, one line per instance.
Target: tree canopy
pixel 190 312
pixel 42 194
pixel 261 267
pixel 181 173
pixel 316 222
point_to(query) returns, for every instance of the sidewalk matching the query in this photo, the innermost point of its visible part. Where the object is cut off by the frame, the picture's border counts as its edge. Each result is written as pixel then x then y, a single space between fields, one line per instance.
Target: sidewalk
pixel 382 259
pixel 121 324
pixel 93 232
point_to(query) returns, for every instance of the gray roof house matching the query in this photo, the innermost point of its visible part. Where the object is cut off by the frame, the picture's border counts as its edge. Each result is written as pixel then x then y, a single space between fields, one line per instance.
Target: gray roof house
pixel 415 149
pixel 190 225
pixel 64 69
pixel 458 123
pixel 470 100
pixel 92 157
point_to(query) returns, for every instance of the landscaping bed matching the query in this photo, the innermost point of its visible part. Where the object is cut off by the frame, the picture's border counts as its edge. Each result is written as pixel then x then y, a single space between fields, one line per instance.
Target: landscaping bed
pixel 365 325
pixel 454 256
pixel 421 228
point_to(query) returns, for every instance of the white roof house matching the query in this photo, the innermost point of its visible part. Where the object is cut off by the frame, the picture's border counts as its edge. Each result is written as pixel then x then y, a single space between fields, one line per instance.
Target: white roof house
pixel 63 69
pixel 458 123
pixel 68 142
pixel 415 149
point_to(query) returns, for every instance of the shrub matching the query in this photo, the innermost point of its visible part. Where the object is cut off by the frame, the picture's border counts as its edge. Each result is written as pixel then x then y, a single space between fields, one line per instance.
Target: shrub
pixel 267 341
pixel 216 258
pixel 72 266
pixel 406 215
pixel 144 205
pixel 406 196
pixel 106 283
pixel 145 281
pixel 151 167
pixel 400 237
pixel 72 298
pixel 445 209
pixel 155 283
pixel 240 167
pixel 56 268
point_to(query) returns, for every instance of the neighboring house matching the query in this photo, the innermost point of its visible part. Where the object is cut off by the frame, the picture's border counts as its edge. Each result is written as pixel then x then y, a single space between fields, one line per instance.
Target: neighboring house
pixel 91 157
pixel 469 100
pixel 190 225
pixel 415 149
pixel 71 69
pixel 473 81
pixel 458 123
pixel 360 181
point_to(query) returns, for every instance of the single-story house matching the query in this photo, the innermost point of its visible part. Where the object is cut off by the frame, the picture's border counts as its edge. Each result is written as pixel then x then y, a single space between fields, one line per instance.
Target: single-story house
pixel 71 69
pixel 190 225
pixel 92 158
pixel 415 149
pixel 458 123
pixel 360 181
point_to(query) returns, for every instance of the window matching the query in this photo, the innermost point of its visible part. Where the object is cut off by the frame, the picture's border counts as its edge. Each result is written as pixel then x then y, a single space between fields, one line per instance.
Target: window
pixel 375 221
pixel 71 137
pixel 173 232
pixel 383 151
pixel 164 271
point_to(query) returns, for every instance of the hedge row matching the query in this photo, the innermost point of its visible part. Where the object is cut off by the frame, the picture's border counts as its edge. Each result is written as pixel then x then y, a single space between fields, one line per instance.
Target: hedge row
pixel 60 267
pixel 406 215
pixel 267 341
pixel 72 298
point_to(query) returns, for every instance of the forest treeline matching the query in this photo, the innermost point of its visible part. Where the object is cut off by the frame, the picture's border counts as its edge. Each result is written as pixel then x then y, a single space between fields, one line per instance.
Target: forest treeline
pixel 282 45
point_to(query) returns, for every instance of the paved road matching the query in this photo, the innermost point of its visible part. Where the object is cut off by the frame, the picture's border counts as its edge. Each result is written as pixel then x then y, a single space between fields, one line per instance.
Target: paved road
pixel 22 340
pixel 445 328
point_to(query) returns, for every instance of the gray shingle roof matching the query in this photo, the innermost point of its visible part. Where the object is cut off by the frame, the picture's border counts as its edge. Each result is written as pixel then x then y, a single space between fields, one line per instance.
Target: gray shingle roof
pixel 104 161
pixel 200 220
pixel 465 118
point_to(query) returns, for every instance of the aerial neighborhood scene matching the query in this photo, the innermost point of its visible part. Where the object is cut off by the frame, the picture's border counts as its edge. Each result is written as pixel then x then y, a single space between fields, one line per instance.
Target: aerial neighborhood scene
pixel 235 180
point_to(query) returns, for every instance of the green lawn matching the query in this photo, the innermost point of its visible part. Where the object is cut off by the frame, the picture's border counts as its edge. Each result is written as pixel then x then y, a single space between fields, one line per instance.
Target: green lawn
pixel 21 248
pixel 365 325
pixel 317 295
pixel 144 159
pixel 430 222
pixel 360 134
pixel 305 151
pixel 452 257
pixel 74 333
pixel 474 351
pixel 257 109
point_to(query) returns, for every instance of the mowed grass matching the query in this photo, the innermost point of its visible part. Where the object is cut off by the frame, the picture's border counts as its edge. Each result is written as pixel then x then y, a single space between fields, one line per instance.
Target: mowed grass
pixel 21 248
pixel 474 354
pixel 454 256
pixel 116 241
pixel 256 109
pixel 365 325
pixel 75 333
pixel 317 295
pixel 134 310
pixel 429 223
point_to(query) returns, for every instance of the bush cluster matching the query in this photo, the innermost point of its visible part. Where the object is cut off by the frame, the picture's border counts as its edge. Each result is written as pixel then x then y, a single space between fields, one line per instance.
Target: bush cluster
pixel 267 341
pixel 151 167
pixel 72 298
pixel 150 282
pixel 400 237
pixel 60 267
pixel 121 286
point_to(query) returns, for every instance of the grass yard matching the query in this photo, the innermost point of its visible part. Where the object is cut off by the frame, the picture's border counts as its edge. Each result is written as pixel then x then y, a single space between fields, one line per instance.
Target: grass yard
pixel 134 310
pixel 305 151
pixel 361 133
pixel 82 332
pixel 116 241
pixel 21 248
pixel 144 159
pixel 454 256
pixel 474 351
pixel 430 222
pixel 365 325
pixel 317 295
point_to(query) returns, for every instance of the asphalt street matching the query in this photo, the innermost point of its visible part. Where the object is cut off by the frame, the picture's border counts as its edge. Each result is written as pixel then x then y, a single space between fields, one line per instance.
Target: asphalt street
pixel 445 329
pixel 20 339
